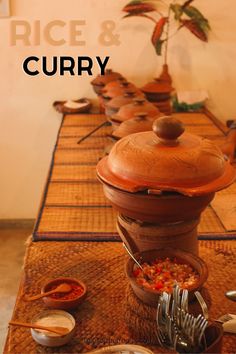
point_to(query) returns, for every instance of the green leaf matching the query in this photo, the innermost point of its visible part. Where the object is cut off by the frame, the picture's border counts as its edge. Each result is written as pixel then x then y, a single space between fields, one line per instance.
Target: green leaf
pixel 158 46
pixel 187 3
pixel 193 12
pixel 204 25
pixel 196 15
pixel 177 9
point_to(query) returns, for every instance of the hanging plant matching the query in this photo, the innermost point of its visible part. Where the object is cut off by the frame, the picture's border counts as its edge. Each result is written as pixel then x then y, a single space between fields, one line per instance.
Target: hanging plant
pixel 183 15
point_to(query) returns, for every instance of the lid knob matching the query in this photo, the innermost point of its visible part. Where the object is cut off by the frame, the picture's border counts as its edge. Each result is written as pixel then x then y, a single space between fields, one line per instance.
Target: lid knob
pixel 108 71
pixel 141 116
pixel 139 101
pixel 168 129
pixel 124 83
pixel 129 94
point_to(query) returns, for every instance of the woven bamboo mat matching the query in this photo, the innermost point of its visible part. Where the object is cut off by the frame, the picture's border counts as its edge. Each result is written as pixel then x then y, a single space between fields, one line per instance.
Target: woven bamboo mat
pixel 73 223
pixel 68 156
pixel 101 319
pixel 74 206
pixel 84 119
pixel 73 173
pixel 74 194
pixel 69 131
pixel 91 143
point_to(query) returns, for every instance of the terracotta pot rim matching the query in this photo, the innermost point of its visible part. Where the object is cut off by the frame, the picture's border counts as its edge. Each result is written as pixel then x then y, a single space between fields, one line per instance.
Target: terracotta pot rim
pixel 123 184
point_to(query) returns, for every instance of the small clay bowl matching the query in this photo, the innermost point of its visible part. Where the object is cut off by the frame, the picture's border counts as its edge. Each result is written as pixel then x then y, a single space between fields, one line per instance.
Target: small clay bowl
pixel 149 296
pixel 63 302
pixel 50 339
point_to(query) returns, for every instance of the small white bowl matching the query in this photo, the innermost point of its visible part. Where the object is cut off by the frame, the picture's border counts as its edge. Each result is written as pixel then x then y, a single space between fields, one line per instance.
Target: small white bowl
pixel 53 318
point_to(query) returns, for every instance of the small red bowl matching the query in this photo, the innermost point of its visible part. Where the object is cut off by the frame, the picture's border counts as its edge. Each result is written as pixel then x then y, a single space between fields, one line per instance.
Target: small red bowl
pixel 64 303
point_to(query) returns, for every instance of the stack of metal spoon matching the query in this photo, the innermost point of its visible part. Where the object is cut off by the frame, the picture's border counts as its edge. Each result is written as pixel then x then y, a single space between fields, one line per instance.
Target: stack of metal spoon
pixel 177 329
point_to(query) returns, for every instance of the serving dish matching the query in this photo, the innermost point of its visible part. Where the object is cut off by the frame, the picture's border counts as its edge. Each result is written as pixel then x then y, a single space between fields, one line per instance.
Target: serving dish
pixel 53 318
pixel 65 301
pixel 164 176
pixel 119 89
pixel 81 105
pixel 149 296
pixel 160 88
pixel 141 122
pixel 138 105
pixel 113 105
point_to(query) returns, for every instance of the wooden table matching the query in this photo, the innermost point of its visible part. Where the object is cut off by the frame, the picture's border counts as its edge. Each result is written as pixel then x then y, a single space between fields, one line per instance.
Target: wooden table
pixel 94 261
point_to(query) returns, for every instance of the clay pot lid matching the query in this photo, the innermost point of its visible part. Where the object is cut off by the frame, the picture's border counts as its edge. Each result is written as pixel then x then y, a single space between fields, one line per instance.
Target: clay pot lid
pixel 166 159
pixel 157 86
pixel 102 80
pixel 119 89
pixel 115 83
pixel 162 84
pixel 140 123
pixel 122 100
pixel 138 105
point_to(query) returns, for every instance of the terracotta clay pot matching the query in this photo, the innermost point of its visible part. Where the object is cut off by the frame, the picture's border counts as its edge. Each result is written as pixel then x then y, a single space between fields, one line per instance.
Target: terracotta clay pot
pixel 119 89
pixel 160 88
pixel 168 160
pixel 165 175
pixel 141 236
pixel 149 296
pixel 159 91
pixel 170 207
pixel 138 105
pixel 113 105
pixel 141 123
pixel 114 84
pixel 101 80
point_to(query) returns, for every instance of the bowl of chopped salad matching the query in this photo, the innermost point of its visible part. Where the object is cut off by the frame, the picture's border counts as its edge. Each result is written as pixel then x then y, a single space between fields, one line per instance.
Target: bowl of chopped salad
pixel 162 269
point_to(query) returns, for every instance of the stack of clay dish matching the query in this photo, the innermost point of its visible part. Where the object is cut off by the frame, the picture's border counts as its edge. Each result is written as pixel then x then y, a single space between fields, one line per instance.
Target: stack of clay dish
pixel 101 80
pixel 128 111
pixel 164 176
pixel 159 91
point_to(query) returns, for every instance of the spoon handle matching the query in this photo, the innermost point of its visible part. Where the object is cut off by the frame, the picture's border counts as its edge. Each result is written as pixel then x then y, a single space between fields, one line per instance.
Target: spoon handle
pixel 57 330
pixel 131 255
pixel 38 296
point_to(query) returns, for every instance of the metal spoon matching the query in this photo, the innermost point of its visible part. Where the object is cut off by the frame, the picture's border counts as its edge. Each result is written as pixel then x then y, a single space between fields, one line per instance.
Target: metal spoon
pixel 231 294
pixel 62 288
pixel 135 260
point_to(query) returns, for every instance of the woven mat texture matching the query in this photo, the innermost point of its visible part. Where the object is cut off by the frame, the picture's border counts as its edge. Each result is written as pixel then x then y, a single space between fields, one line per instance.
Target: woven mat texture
pixel 84 119
pixel 94 141
pixel 74 204
pixel 101 318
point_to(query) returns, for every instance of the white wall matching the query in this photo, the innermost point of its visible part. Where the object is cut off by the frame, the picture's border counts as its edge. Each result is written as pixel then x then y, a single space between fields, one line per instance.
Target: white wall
pixel 29 125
